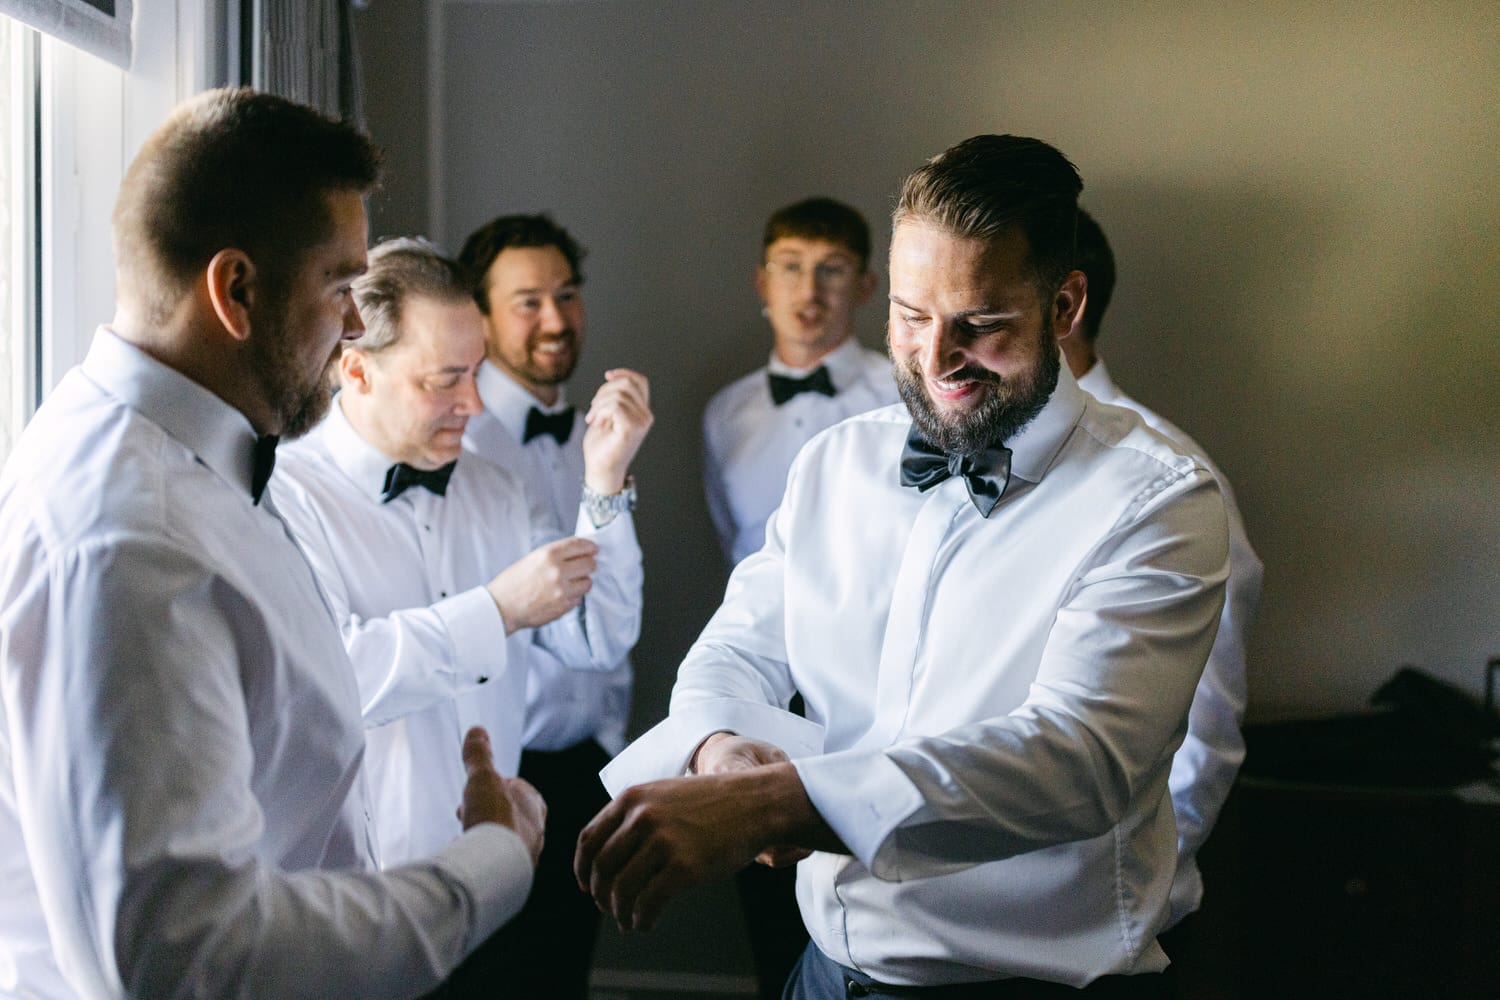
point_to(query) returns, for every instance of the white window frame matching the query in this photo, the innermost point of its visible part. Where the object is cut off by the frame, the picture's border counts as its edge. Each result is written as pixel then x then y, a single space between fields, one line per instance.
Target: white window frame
pixel 94 119
pixel 81 24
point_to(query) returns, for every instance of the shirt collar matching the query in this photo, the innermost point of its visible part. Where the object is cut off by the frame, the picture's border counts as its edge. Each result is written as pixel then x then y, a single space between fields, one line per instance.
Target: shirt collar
pixel 509 402
pixel 1097 383
pixel 355 457
pixel 217 433
pixel 1035 446
pixel 843 363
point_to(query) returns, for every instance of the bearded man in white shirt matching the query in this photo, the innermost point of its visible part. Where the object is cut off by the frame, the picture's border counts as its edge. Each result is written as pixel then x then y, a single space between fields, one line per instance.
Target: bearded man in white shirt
pixel 181 790
pixel 448 588
pixel 996 603
pixel 813 276
pixel 1204 767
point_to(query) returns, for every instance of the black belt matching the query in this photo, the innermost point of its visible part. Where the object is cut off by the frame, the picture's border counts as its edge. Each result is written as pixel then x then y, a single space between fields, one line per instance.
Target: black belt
pixel 857 984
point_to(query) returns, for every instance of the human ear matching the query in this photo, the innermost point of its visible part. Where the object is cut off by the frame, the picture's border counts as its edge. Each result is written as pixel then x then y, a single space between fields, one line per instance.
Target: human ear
pixel 231 290
pixel 1068 303
pixel 354 369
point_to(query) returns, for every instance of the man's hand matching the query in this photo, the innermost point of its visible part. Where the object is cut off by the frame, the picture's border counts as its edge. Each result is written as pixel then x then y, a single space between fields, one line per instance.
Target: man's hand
pixel 726 753
pixel 618 420
pixel 489 798
pixel 659 839
pixel 544 584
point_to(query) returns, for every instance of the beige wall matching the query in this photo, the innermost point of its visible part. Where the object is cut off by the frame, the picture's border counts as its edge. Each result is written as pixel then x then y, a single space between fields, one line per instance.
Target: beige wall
pixel 1302 200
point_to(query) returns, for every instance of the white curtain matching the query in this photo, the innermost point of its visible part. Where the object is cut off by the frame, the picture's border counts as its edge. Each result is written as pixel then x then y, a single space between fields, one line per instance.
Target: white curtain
pixel 304 50
pixel 98 26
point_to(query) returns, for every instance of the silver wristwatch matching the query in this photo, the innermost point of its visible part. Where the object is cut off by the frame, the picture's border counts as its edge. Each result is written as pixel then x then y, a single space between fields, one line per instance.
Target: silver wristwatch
pixel 605 507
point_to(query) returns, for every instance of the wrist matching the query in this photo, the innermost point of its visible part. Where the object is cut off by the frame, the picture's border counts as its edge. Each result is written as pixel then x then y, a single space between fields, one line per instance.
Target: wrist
pixel 603 507
pixel 708 741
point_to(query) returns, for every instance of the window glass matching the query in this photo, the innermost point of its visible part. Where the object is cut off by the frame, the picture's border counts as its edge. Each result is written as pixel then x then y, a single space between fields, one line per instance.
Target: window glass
pixel 17 179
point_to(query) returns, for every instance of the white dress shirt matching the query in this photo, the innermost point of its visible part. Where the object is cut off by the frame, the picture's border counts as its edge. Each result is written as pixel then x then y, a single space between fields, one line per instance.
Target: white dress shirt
pixel 406 580
pixel 181 799
pixel 992 705
pixel 563 707
pixel 1204 767
pixel 749 442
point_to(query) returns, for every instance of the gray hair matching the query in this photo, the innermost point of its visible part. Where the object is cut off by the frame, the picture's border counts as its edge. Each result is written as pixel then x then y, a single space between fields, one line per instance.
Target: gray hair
pixel 401 269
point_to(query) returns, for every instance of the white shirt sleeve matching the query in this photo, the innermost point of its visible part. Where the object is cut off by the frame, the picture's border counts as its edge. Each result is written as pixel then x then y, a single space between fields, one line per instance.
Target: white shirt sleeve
pixel 1204 768
pixel 410 659
pixel 128 718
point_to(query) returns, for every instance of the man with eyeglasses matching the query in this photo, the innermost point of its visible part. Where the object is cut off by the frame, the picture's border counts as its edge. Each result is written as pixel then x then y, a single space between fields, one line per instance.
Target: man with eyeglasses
pixel 813 275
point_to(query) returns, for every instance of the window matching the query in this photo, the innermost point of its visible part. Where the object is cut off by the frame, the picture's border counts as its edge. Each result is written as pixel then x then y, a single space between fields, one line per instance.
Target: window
pixel 19 339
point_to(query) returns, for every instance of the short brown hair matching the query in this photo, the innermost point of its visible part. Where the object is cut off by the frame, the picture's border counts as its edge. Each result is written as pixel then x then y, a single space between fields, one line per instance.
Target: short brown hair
pixel 499 234
pixel 990 184
pixel 233 168
pixel 403 269
pixel 821 219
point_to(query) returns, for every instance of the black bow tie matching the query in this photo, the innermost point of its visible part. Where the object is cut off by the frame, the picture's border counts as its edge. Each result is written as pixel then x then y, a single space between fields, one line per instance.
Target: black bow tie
pixel 559 425
pixel 265 462
pixel 400 476
pixel 986 474
pixel 784 387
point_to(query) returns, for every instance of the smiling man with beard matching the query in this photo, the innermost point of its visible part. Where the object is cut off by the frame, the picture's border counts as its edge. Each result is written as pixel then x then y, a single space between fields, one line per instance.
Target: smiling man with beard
pixel 529 289
pixel 995 602
pixel 182 808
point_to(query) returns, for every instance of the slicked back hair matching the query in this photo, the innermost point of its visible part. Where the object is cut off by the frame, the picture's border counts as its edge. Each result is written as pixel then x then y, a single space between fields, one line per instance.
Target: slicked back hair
pixel 821 219
pixel 238 169
pixel 990 184
pixel 1096 260
pixel 487 242
pixel 400 270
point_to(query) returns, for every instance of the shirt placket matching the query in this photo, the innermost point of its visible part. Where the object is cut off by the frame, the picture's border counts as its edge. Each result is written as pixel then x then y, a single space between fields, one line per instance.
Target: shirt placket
pixel 906 624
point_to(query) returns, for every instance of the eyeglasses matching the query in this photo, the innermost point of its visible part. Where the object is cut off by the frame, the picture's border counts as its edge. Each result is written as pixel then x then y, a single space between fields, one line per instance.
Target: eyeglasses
pixel 832 275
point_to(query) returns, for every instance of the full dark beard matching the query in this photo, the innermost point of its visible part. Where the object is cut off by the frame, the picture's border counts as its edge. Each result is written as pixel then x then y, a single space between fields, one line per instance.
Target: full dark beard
pixel 1008 406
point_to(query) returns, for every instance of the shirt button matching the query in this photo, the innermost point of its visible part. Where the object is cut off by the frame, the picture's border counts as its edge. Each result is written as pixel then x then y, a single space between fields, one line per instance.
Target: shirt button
pixel 853 989
pixel 442 593
pixel 484 680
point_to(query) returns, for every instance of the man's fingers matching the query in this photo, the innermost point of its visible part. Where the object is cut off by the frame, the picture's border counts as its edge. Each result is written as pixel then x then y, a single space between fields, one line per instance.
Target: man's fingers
pixel 477 754
pixel 590 839
pixel 633 381
pixel 571 547
pixel 644 866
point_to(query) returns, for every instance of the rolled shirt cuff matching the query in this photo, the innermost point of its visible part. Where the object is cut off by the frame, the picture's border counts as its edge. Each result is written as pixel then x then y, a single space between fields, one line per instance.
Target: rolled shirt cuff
pixel 665 749
pixel 477 634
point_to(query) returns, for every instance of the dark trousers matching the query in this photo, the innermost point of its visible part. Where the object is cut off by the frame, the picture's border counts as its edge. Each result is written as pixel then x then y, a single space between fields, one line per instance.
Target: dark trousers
pixel 546 951
pixel 818 977
pixel 1179 946
pixel 768 897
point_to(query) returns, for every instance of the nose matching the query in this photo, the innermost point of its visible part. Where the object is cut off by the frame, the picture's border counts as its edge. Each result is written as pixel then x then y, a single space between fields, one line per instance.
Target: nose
pixel 354 324
pixel 468 402
pixel 551 316
pixel 941 353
